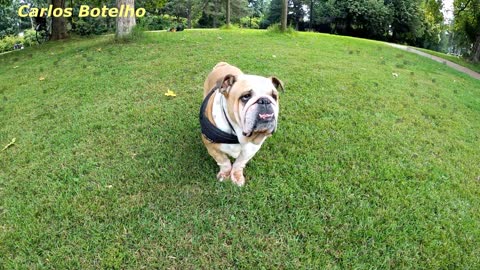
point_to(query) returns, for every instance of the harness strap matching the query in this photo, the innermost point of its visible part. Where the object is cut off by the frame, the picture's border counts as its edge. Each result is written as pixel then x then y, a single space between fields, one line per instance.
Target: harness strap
pixel 210 131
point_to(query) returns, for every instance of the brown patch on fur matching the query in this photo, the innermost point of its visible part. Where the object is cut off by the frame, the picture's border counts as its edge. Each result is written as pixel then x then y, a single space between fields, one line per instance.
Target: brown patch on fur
pixel 218 73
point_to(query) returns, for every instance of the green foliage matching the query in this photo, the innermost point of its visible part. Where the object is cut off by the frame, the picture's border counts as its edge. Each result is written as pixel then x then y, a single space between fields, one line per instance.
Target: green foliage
pixel 150 6
pixel 188 9
pixel 407 24
pixel 274 11
pixel 10 22
pixel 90 26
pixel 7 43
pixel 415 22
pixel 467 27
pixel 28 39
pixel 159 22
pixel 250 22
pixel 214 13
pixel 229 27
pixel 276 29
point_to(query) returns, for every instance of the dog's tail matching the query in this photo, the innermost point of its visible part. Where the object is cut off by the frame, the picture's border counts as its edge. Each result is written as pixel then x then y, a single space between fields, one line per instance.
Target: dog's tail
pixel 220 64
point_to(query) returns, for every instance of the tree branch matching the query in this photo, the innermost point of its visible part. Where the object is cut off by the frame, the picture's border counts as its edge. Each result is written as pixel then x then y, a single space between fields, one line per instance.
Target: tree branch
pixel 462 8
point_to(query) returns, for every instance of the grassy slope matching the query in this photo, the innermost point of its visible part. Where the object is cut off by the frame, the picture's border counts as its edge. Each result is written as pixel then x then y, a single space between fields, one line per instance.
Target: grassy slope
pixel 455 59
pixel 366 170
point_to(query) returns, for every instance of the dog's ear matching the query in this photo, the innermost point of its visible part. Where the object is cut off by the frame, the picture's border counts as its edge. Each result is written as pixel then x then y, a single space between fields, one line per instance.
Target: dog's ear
pixel 277 83
pixel 224 85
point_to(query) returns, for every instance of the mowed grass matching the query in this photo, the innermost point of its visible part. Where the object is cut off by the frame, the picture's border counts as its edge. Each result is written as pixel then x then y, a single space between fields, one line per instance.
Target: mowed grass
pixel 458 60
pixel 367 170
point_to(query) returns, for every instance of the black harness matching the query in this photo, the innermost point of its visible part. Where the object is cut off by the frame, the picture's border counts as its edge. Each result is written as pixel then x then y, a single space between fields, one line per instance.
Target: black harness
pixel 210 131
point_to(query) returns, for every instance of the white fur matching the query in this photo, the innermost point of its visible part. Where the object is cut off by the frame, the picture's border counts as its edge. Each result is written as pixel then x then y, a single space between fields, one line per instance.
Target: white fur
pixel 232 150
pixel 217 113
pixel 247 149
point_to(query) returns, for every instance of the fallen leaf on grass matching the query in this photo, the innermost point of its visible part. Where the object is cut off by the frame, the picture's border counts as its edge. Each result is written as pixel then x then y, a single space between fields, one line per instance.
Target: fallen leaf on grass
pixel 15 67
pixel 170 93
pixel 99 49
pixel 10 144
pixel 41 79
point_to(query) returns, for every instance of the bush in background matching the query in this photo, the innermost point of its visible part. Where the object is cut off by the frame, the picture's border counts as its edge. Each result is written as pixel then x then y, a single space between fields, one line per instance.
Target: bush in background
pixel 91 26
pixel 29 38
pixel 275 28
pixel 7 43
pixel 250 22
pixel 159 22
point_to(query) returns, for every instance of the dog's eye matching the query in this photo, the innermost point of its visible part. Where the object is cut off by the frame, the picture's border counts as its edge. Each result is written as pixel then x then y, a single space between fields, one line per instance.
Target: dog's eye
pixel 246 97
pixel 274 96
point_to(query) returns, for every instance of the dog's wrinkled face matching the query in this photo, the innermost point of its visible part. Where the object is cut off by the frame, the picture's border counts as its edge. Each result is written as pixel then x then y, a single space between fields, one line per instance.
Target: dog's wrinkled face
pixel 252 102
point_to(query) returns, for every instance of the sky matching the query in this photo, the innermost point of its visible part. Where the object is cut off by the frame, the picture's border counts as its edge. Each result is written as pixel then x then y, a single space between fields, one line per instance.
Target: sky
pixel 448 9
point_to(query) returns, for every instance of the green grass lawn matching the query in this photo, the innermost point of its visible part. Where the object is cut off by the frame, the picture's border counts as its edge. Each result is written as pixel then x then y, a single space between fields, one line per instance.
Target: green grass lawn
pixel 458 60
pixel 367 170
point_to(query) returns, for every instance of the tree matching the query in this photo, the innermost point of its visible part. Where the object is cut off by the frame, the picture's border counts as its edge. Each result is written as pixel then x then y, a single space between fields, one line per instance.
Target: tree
pixel 433 24
pixel 59 24
pixel 189 9
pixel 228 12
pixel 258 7
pixel 283 17
pixel 125 23
pixel 467 25
pixel 362 18
pixel 407 23
pixel 215 12
pixel 285 11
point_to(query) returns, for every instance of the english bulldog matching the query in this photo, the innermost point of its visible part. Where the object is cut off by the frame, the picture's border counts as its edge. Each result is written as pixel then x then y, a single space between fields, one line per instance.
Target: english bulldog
pixel 238 113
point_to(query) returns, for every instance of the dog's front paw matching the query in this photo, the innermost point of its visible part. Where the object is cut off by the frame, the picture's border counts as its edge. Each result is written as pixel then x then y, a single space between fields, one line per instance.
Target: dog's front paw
pixel 223 175
pixel 237 178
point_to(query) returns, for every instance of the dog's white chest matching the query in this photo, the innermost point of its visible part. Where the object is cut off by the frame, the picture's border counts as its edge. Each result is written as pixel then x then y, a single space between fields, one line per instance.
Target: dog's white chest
pixel 218 115
pixel 232 150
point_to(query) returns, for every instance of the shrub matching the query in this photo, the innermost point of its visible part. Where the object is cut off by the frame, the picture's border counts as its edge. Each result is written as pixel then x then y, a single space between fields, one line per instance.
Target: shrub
pixel 90 26
pixel 7 43
pixel 264 23
pixel 250 22
pixel 229 27
pixel 156 22
pixel 275 28
pixel 29 38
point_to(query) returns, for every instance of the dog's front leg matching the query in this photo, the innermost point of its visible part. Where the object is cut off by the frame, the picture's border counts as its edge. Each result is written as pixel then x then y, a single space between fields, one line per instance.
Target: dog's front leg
pixel 248 151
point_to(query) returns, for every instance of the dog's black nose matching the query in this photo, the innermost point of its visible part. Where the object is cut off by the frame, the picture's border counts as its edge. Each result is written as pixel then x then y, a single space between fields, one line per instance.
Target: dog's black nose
pixel 264 101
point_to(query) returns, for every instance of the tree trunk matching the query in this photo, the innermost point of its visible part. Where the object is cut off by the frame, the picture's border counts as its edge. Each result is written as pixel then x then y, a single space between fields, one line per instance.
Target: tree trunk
pixel 31 23
pixel 311 15
pixel 228 12
pixel 59 26
pixel 215 16
pixel 126 23
pixel 283 25
pixel 476 50
pixel 189 18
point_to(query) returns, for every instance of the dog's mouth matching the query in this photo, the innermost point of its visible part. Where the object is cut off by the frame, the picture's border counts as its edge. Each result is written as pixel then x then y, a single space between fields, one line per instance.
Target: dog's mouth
pixel 264 122
pixel 260 117
pixel 265 116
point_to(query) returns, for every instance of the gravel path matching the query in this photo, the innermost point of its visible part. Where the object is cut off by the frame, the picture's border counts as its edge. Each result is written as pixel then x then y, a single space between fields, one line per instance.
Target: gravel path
pixel 465 70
